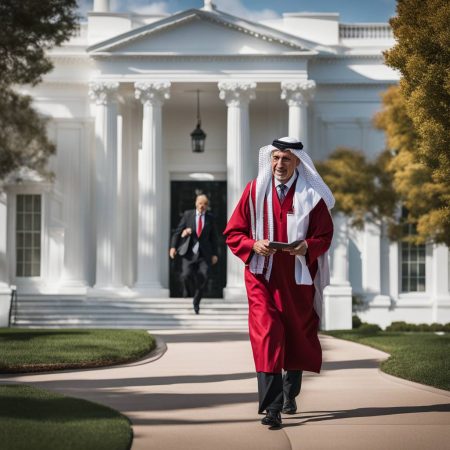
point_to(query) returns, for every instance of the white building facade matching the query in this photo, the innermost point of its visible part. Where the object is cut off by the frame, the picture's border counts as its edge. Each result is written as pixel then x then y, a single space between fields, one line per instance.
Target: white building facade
pixel 122 103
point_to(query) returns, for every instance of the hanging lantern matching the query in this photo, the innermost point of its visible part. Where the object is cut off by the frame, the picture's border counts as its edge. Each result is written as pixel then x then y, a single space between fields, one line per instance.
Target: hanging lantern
pixel 198 136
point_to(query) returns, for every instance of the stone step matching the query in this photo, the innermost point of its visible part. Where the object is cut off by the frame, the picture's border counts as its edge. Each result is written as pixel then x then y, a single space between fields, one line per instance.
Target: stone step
pixel 141 326
pixel 129 316
pixel 96 306
pixel 62 298
pixel 126 305
pixel 167 313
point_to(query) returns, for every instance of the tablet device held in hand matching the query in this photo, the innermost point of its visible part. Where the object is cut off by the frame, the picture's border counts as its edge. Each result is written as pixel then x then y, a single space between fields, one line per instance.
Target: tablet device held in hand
pixel 280 245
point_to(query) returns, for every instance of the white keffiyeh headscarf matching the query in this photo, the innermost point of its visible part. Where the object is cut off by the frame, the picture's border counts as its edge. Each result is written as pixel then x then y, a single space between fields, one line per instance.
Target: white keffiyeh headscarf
pixel 309 189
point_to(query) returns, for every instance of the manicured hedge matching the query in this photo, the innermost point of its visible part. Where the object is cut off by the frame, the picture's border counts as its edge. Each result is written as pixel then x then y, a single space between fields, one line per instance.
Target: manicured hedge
pixel 400 326
pixel 403 326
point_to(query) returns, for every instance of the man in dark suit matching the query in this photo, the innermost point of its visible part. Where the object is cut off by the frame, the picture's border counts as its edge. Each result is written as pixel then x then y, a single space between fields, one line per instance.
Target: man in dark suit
pixel 195 240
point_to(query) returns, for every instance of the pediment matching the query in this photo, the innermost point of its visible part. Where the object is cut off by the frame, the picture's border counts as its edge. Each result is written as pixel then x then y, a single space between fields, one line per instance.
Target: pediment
pixel 198 32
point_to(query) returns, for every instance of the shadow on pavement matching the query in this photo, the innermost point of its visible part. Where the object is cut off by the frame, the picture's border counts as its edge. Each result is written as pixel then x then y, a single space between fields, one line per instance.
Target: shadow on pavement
pixel 138 421
pixel 133 402
pixel 321 416
pixel 351 364
pixel 75 385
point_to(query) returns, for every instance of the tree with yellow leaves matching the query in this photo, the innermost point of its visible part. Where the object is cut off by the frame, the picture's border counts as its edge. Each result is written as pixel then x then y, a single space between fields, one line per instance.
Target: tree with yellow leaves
pixel 417 122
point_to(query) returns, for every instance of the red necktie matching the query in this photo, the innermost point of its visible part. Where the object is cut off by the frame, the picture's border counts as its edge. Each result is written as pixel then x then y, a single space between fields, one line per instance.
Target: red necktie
pixel 200 225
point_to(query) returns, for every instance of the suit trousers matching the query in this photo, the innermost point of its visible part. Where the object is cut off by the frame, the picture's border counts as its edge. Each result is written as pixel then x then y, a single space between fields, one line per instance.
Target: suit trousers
pixel 275 388
pixel 194 269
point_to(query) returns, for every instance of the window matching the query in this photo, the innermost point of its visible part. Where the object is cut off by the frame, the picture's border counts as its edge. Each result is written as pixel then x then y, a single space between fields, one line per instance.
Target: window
pixel 28 236
pixel 413 264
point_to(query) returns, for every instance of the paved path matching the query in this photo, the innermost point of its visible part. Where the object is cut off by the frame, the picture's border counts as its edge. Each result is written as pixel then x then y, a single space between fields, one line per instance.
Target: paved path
pixel 199 393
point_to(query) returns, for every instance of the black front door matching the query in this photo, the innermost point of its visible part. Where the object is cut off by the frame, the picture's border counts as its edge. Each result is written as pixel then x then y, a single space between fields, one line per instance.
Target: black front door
pixel 182 197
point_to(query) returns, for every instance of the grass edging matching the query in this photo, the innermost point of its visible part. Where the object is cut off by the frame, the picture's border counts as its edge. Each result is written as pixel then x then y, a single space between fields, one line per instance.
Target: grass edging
pixel 42 350
pixel 418 357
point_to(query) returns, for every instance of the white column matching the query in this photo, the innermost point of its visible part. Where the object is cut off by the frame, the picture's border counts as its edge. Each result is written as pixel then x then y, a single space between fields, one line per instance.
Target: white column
pixel 5 291
pixel 371 266
pixel 237 95
pixel 337 311
pixel 440 284
pixel 4 273
pixel 298 94
pixel 108 262
pixel 394 267
pixel 339 251
pixel 150 245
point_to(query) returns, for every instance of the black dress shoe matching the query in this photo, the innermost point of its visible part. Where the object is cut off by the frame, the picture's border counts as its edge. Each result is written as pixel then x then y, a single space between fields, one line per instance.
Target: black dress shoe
pixel 196 305
pixel 289 407
pixel 272 419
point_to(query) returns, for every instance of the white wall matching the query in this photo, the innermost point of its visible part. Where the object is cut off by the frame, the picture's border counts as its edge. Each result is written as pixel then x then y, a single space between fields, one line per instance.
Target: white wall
pixel 342 116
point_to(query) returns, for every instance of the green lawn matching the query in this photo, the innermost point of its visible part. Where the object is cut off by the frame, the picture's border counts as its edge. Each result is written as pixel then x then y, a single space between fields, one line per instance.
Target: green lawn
pixel 34 350
pixel 420 357
pixel 36 419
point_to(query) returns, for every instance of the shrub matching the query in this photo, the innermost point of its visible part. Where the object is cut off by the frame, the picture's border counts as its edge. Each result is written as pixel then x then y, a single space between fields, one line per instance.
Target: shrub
pixel 369 328
pixel 422 327
pixel 399 326
pixel 356 321
pixel 437 327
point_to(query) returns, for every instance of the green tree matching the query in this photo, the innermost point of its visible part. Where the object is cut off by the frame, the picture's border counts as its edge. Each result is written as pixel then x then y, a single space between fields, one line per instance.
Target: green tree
pixel 29 28
pixel 419 188
pixel 422 55
pixel 362 189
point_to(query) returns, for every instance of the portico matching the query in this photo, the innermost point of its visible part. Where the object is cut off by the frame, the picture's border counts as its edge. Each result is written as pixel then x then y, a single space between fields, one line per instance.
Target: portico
pixel 156 163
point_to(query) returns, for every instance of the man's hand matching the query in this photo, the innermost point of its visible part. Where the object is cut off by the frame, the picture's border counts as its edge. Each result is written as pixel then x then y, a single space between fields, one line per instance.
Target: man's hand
pixel 214 259
pixel 186 232
pixel 262 248
pixel 172 252
pixel 301 249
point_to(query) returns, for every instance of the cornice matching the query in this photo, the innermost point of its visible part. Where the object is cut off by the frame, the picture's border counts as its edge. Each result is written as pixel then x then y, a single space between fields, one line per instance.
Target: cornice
pixel 362 85
pixel 68 58
pixel 345 56
pixel 307 54
pixel 66 82
pixel 204 57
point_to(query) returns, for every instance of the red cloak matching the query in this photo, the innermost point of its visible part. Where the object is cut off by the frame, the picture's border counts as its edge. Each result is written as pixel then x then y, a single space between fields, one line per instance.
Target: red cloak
pixel 283 324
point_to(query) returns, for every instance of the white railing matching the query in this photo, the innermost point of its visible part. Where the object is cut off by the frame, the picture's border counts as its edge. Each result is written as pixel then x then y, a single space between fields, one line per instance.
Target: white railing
pixel 365 31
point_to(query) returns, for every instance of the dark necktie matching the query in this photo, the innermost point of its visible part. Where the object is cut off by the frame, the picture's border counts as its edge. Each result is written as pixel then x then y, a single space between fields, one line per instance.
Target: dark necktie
pixel 282 192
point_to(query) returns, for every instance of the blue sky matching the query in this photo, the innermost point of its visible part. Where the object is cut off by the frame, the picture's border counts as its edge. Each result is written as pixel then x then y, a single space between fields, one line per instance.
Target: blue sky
pixel 350 10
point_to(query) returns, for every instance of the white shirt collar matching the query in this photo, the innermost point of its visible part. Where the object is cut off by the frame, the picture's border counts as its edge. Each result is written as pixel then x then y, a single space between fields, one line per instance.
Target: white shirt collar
pixel 197 214
pixel 289 183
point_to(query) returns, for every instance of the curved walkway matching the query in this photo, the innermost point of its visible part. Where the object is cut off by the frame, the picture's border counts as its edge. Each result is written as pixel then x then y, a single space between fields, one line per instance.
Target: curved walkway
pixel 198 391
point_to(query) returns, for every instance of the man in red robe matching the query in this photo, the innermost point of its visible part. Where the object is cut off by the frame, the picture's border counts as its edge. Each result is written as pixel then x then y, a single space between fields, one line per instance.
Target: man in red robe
pixel 287 203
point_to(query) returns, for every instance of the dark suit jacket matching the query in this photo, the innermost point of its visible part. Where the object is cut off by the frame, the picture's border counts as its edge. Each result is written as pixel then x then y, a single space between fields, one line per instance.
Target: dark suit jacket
pixel 207 240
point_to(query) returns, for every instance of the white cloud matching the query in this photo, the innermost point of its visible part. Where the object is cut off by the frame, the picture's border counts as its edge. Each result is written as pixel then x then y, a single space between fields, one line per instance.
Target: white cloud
pixel 157 8
pixel 236 8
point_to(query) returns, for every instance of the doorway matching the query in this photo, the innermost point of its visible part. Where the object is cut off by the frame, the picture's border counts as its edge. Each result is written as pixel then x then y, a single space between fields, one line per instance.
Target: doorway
pixel 182 197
